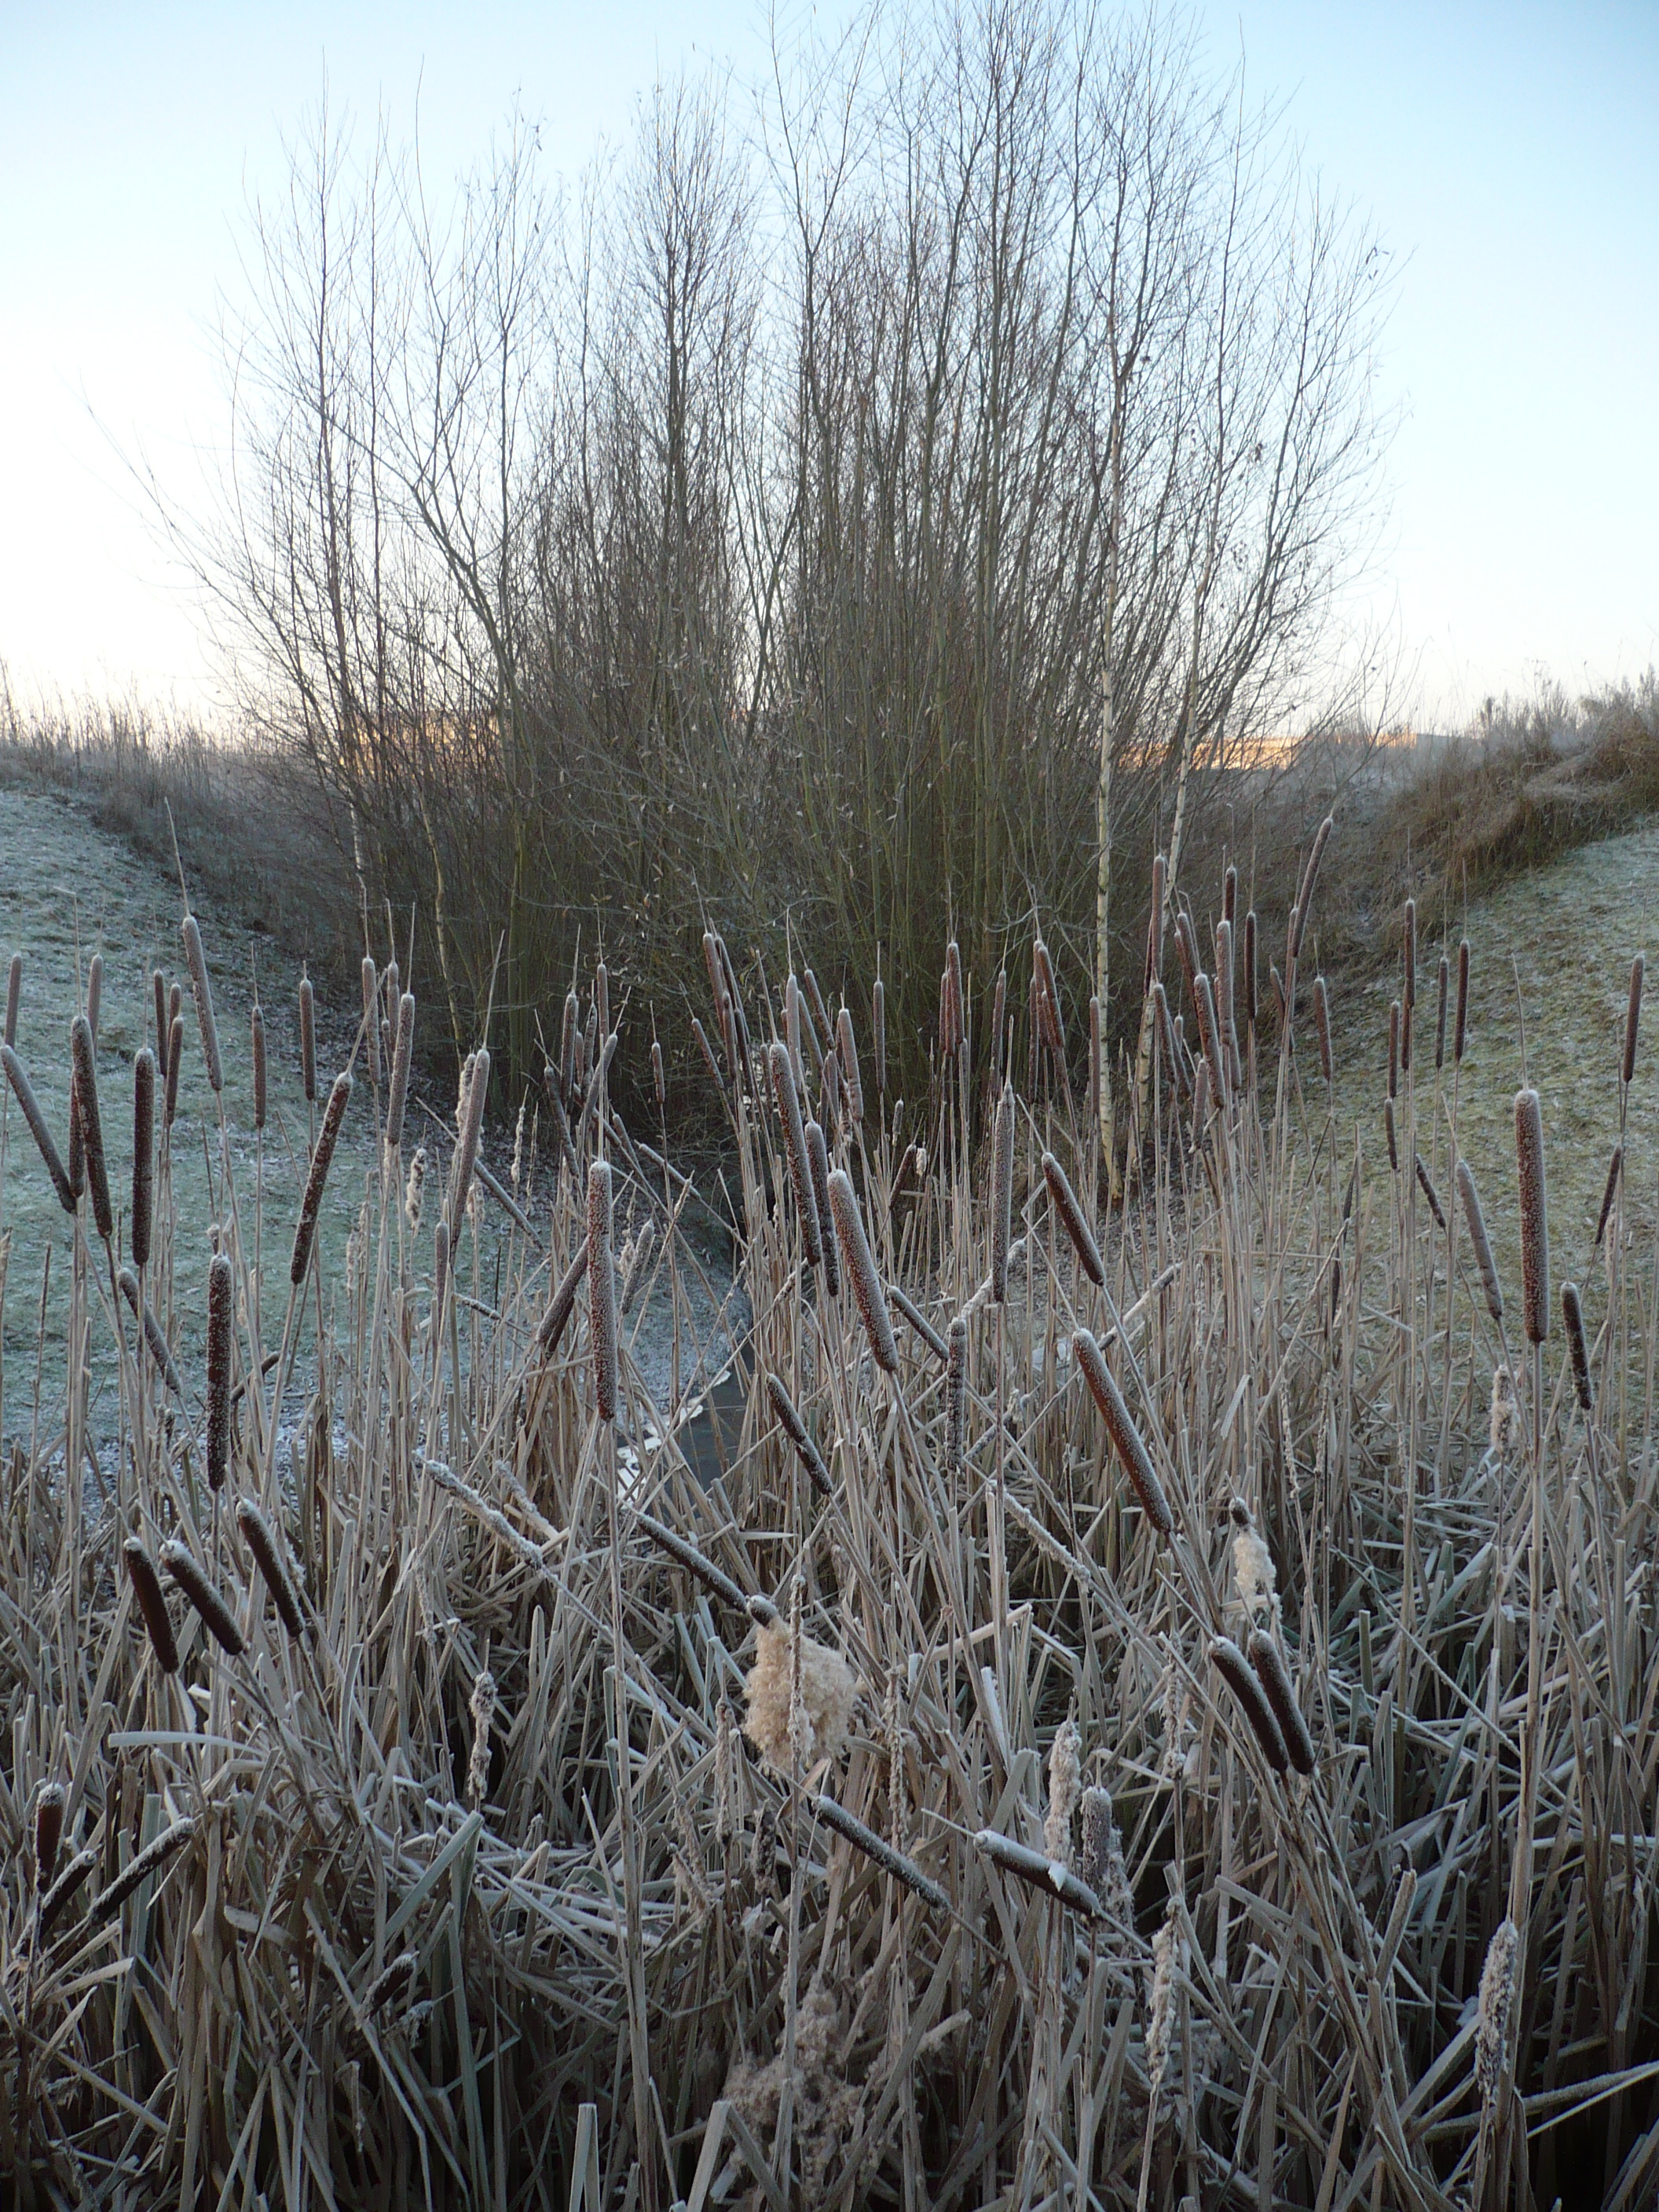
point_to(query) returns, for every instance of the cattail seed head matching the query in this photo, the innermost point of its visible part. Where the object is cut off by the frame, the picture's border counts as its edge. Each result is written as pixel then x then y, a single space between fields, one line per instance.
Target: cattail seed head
pixel 152 1605
pixel 77 1142
pixel 175 1061
pixel 1094 1064
pixel 1047 1001
pixel 707 1052
pixel 1440 1013
pixel 561 1305
pixel 1408 989
pixel 817 1154
pixel 1609 1190
pixel 1209 1037
pixel 270 1556
pixel 1229 893
pixel 144 1152
pixel 1076 1227
pixel 159 983
pixel 1002 1192
pixel 1460 1022
pixel 1426 1184
pixel 799 1435
pixel 956 1397
pixel 1478 1236
pixel 1408 1023
pixel 160 1351
pixel 1572 1313
pixel 393 1984
pixel 440 1270
pixel 83 1051
pixel 1394 1049
pixel 216 1615
pixel 48 1834
pixel 795 1146
pixel 24 1090
pixel 305 1232
pixel 202 991
pixel 860 1270
pixel 257 1030
pixel 13 995
pixel 308 1040
pixel 879 1027
pixel 1309 878
pixel 1492 2030
pixel 1125 1437
pixel 1223 993
pixel 403 1052
pixel 68 1882
pixel 1633 1017
pixel 998 1019
pixel 1535 1215
pixel 847 1046
pixel 1388 1132
pixel 602 1288
pixel 220 1304
pixel 371 1018
pixel 1323 1028
pixel 1274 1676
pixel 951 1042
pixel 467 1148
pixel 94 991
pixel 1249 968
pixel 1245 1684
pixel 153 1857
pixel 658 1084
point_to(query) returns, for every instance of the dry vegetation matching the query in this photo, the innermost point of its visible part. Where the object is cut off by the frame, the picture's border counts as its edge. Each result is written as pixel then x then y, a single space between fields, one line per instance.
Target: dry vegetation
pixel 1128 1710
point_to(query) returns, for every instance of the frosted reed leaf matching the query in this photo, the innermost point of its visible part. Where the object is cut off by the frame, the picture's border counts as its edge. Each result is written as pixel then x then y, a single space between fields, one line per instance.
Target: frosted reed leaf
pixel 1535 1215
pixel 214 1614
pixel 202 990
pixel 1127 1440
pixel 328 1136
pixel 1076 1227
pixel 861 1271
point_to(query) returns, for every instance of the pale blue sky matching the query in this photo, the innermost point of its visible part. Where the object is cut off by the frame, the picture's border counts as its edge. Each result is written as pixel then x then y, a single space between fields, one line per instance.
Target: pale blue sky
pixel 1507 155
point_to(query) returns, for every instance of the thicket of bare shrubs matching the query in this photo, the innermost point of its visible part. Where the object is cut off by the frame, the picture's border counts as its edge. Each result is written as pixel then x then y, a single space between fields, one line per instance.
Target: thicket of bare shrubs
pixel 1132 1707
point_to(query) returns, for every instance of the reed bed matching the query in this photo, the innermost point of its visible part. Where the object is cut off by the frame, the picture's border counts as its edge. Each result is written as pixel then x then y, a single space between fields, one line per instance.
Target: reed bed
pixel 1132 1704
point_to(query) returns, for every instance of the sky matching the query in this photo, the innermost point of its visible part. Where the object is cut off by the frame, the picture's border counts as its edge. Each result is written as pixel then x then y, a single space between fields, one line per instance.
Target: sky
pixel 1505 156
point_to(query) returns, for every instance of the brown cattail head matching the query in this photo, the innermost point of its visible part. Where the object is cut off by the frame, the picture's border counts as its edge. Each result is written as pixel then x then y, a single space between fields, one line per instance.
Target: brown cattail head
pixel 467 1147
pixel 659 1083
pixel 1126 1441
pixel 1322 1029
pixel 1633 1016
pixel 1274 1677
pixel 147 1591
pixel 572 1015
pixel 270 1556
pixel 216 1615
pixel 817 1154
pixel 1245 1684
pixel 861 1271
pixel 1497 2001
pixel 257 1030
pixel 846 1047
pixel 1394 1049
pixel 1388 1132
pixel 602 1288
pixel 175 1061
pixel 144 1154
pixel 793 1023
pixel 74 1874
pixel 1224 989
pixel 1408 1023
pixel 1460 1022
pixel 1002 1192
pixel 305 1232
pixel 1426 1182
pixel 308 1040
pixel 1076 1227
pixel 391 1987
pixel 77 1142
pixel 1309 878
pixel 94 991
pixel 440 1269
pixel 794 1148
pixel 160 1349
pixel 879 1027
pixel 1440 1012
pixel 1408 989
pixel 1094 1063
pixel 707 1052
pixel 403 1051
pixel 1155 920
pixel 1209 1036
pixel 48 1834
pixel 1478 1236
pixel 13 995
pixel 1572 1313
pixel 1249 968
pixel 555 1320
pixel 956 1397
pixel 159 983
pixel 202 991
pixel 153 1857
pixel 1047 1001
pixel 1229 894
pixel 799 1435
pixel 83 1051
pixel 953 1001
pixel 1535 1215
pixel 1614 1167
pixel 220 1315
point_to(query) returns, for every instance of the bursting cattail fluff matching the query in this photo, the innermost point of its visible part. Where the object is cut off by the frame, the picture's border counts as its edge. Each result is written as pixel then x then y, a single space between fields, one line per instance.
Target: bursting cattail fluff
pixel 1245 1684
pixel 467 1149
pixel 817 1154
pixel 413 1189
pixel 152 1605
pixel 795 1146
pixel 1478 1236
pixel 1274 1677
pixel 1126 1441
pixel 1323 1030
pixel 84 1051
pixel 1535 1215
pixel 861 1271
pixel 1002 1192
pixel 270 1556
pixel 328 1136
pixel 308 1040
pixel 1076 1227
pixel 220 1303
pixel 1572 1314
pixel 144 1152
pixel 175 1060
pixel 403 1050
pixel 202 990
pixel 214 1614
pixel 1633 1016
pixel 602 1288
